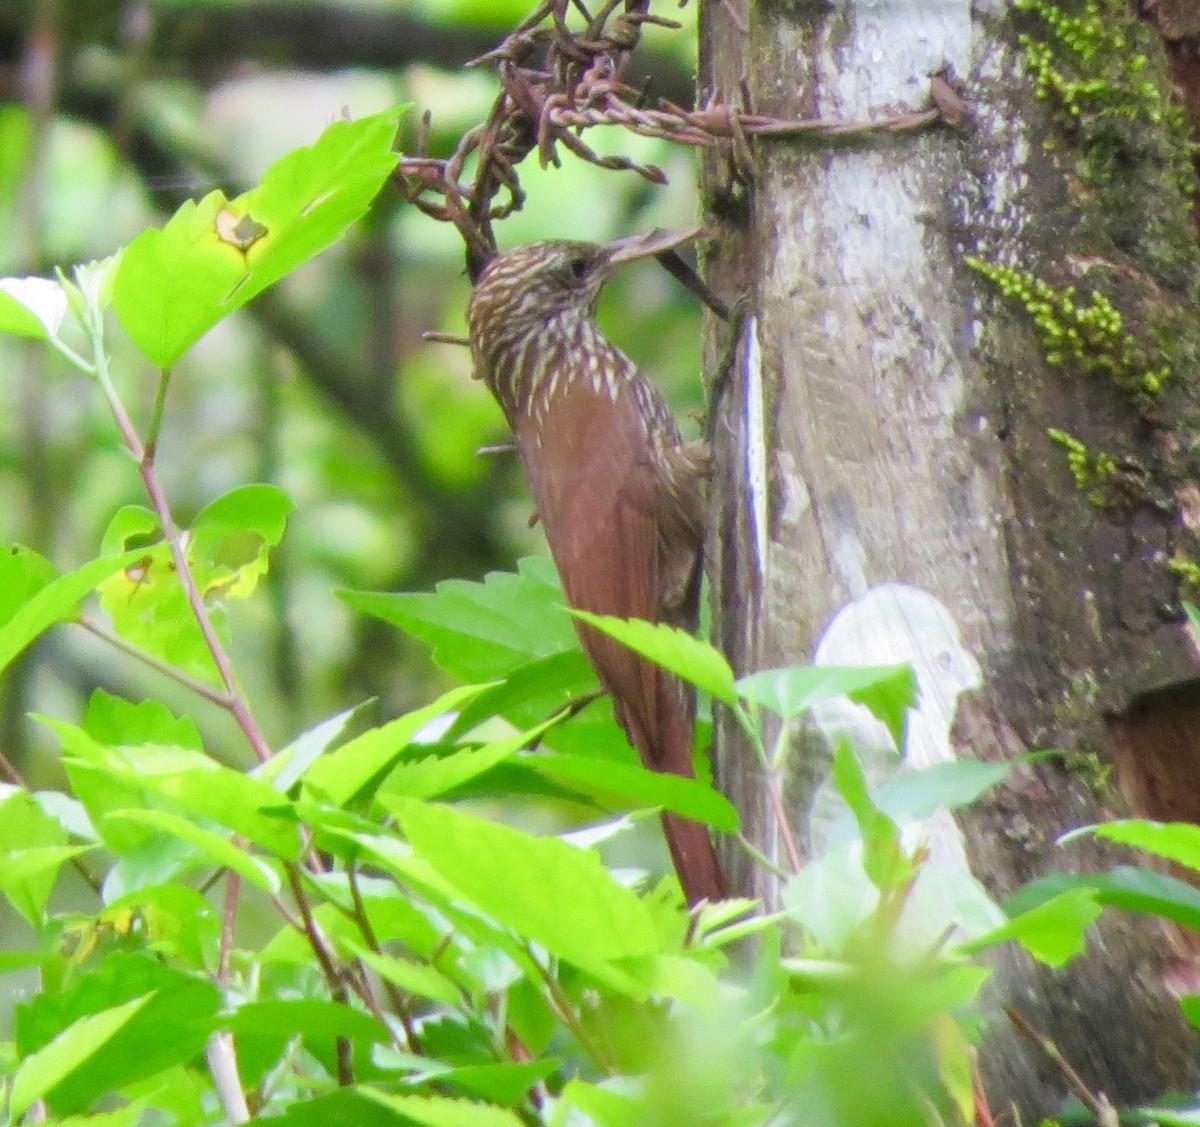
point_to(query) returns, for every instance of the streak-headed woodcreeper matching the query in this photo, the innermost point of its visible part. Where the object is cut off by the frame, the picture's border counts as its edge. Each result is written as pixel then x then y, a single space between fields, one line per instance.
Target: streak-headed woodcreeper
pixel 615 487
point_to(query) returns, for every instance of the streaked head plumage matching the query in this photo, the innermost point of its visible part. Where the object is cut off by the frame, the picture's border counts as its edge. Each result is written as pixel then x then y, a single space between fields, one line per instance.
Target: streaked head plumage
pixel 519 290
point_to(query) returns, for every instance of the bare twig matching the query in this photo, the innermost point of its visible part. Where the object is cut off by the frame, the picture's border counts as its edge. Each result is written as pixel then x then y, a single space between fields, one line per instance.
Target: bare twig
pixel 556 83
pixel 1096 1102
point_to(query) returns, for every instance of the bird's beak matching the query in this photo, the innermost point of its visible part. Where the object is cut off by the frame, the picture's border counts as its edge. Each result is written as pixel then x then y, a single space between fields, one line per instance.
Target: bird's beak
pixel 656 241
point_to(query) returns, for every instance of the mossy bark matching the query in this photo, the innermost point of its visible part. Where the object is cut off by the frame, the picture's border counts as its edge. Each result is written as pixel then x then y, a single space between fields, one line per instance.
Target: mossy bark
pixel 895 413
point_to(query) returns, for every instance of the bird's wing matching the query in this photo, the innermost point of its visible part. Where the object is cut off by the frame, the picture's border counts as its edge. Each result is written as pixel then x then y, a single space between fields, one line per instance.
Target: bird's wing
pixel 599 508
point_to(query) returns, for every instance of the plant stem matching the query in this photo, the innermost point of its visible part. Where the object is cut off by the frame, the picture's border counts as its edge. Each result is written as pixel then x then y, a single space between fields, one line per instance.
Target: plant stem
pixel 214 696
pixel 774 786
pixel 156 417
pixel 144 455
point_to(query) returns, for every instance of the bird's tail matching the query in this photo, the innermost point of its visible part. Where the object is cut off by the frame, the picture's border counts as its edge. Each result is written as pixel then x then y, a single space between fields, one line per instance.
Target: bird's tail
pixel 657 712
pixel 666 744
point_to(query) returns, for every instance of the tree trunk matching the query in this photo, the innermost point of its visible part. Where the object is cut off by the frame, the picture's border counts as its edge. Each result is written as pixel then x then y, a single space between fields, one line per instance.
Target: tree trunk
pixel 927 406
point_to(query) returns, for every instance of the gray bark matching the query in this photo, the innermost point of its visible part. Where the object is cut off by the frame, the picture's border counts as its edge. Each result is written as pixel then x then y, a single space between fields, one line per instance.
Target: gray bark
pixel 882 424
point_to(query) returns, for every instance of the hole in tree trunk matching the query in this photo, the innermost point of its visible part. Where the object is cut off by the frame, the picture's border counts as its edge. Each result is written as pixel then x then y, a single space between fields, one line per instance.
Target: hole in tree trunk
pixel 1155 746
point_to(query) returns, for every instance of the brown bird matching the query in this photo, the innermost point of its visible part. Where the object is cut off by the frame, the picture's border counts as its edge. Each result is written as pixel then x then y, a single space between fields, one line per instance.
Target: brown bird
pixel 615 487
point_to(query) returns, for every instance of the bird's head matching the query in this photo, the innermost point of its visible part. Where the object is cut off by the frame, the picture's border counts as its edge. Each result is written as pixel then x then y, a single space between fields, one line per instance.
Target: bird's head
pixel 520 292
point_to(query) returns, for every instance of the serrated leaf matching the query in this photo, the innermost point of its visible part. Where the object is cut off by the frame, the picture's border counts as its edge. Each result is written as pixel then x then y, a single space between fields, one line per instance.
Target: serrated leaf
pixel 505 1083
pixel 68 1052
pixel 482 631
pixel 689 797
pixel 343 1107
pixel 531 691
pixel 546 890
pixel 887 690
pixel 219 850
pixel 1127 887
pixel 345 773
pixel 170 1027
pixel 250 807
pixel 674 649
pixel 434 775
pixel 1053 933
pixel 444 1111
pixel 419 979
pixel 1173 841
pixel 115 721
pixel 213 256
pixel 55 602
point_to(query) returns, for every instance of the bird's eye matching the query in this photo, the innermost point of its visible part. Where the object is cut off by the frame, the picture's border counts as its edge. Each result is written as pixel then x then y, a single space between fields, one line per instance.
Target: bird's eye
pixel 577 266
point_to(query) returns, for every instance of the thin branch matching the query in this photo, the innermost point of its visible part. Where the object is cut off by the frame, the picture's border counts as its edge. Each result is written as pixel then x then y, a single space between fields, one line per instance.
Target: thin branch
pixel 1096 1102
pixel 399 1002
pixel 179 676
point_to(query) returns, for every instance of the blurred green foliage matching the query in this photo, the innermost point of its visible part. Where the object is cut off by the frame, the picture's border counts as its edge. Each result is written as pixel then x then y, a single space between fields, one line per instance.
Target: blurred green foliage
pixel 323 386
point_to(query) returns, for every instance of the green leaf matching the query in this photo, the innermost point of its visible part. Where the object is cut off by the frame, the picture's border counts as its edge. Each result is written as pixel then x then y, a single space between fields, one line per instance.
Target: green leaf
pixel 887 690
pixel 434 775
pixel 28 876
pixel 482 631
pixel 675 650
pixel 219 850
pixel 311 1018
pixel 115 721
pixel 914 795
pixel 1190 1005
pixel 1173 841
pixel 94 773
pixel 443 1111
pixel 286 768
pixel 250 807
pixel 415 978
pixel 1127 887
pixel 231 536
pixel 344 1107
pixel 531 691
pixel 504 1083
pixel 344 774
pixel 1193 616
pixel 1053 933
pixel 57 600
pixel 227 551
pixel 689 797
pixel 31 307
pixel 884 860
pixel 602 1106
pixel 32 849
pixel 173 1019
pixel 185 780
pixel 22 574
pixel 546 890
pixel 67 1053
pixel 212 257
